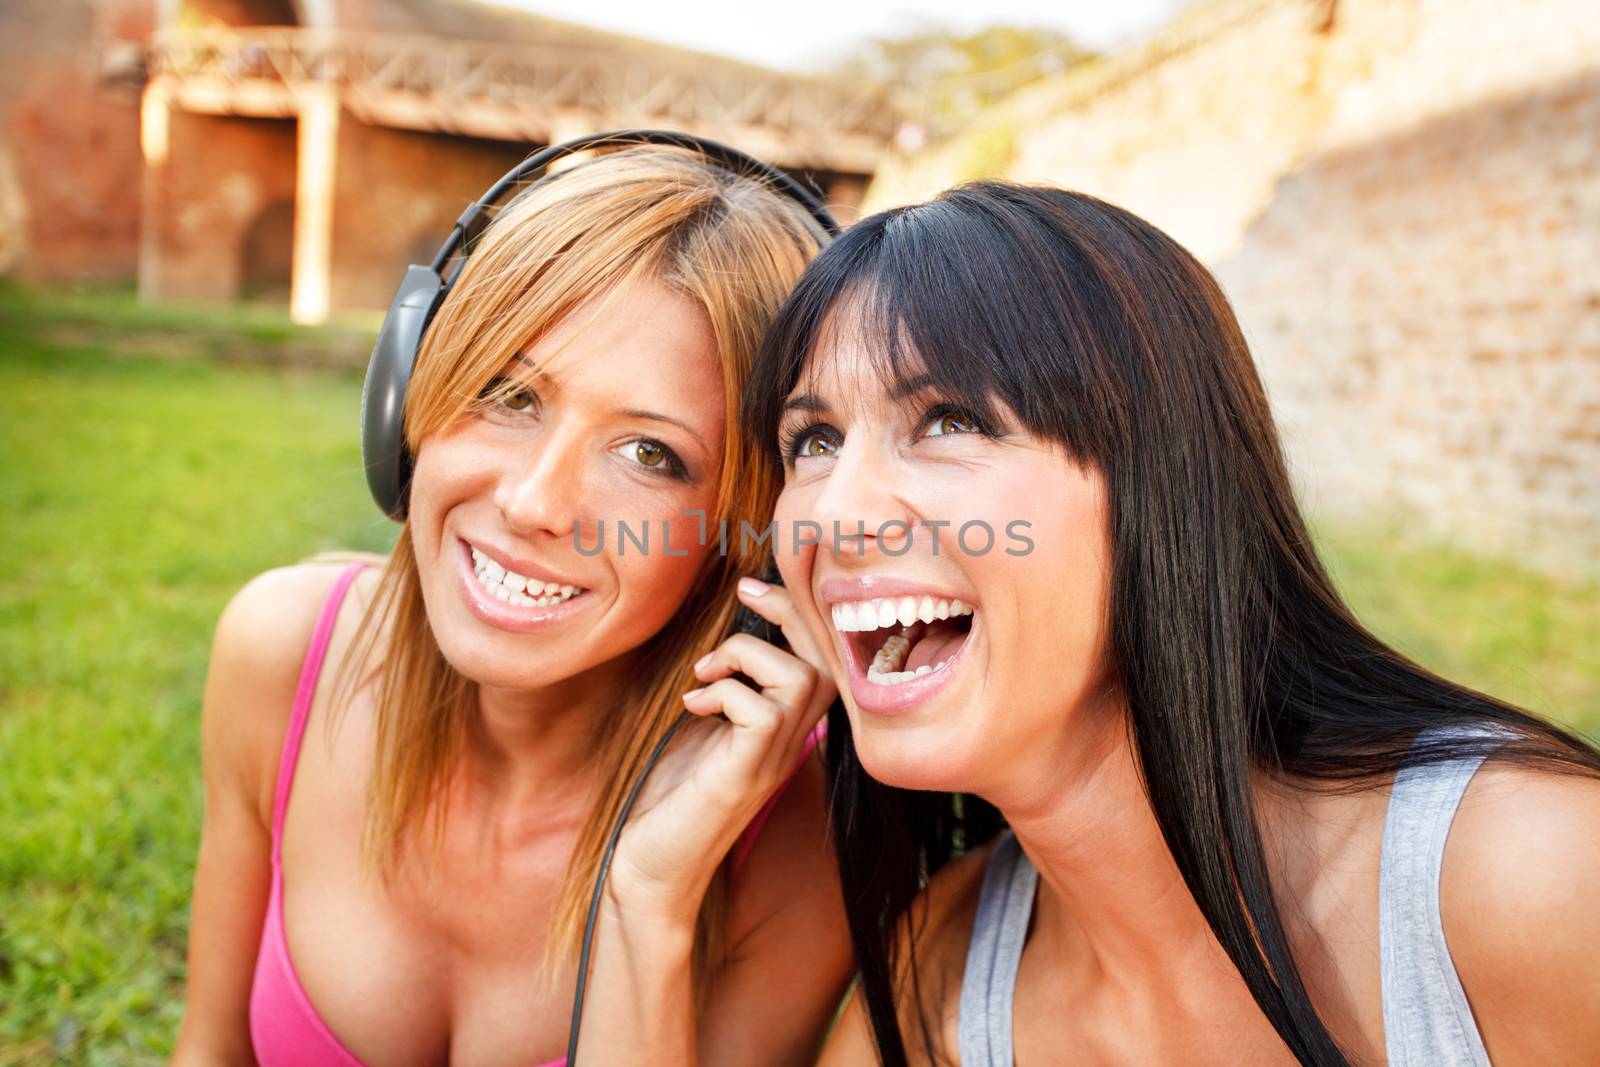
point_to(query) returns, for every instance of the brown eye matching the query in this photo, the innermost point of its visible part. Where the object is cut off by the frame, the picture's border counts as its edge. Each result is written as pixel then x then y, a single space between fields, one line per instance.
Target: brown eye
pixel 521 400
pixel 815 445
pixel 649 453
pixel 951 423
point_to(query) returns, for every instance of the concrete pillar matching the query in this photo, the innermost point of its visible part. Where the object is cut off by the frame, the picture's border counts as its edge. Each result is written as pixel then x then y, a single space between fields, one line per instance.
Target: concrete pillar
pixel 316 156
pixel 155 121
pixel 568 129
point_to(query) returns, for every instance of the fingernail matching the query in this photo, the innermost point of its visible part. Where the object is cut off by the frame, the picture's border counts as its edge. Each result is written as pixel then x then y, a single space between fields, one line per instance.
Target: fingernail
pixel 700 664
pixel 753 586
pixel 693 692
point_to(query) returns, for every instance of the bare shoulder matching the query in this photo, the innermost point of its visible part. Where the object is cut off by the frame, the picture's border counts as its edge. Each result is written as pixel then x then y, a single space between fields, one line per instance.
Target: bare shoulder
pixel 947 908
pixel 256 656
pixel 262 635
pixel 791 874
pixel 939 929
pixel 793 844
pixel 273 608
pixel 1517 892
pixel 936 931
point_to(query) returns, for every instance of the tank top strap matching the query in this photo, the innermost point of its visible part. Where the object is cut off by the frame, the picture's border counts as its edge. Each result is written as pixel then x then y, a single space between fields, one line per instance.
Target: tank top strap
pixel 999 930
pixel 1426 1017
pixel 310 671
pixel 747 840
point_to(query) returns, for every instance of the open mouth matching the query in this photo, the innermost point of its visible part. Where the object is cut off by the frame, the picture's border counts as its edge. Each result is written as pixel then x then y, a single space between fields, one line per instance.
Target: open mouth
pixel 901 638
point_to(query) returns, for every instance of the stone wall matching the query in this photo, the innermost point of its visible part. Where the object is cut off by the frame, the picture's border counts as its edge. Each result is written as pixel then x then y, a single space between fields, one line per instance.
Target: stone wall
pixel 1426 311
pixel 1402 198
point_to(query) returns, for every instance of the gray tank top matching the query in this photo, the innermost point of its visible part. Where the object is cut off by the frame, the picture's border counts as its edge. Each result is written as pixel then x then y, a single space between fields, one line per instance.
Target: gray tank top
pixel 1426 1019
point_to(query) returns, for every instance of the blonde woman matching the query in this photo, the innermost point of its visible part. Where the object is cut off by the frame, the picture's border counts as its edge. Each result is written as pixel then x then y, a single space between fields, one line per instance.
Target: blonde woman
pixel 411 769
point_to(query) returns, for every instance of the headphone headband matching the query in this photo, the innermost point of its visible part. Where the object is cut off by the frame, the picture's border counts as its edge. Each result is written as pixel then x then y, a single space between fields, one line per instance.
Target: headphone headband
pixel 423 289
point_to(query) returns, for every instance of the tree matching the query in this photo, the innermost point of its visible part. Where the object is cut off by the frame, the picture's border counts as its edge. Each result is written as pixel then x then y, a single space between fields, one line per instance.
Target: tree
pixel 943 79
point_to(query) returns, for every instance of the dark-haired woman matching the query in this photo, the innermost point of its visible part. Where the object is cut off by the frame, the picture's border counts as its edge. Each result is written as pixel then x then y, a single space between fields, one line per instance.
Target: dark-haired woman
pixel 1182 807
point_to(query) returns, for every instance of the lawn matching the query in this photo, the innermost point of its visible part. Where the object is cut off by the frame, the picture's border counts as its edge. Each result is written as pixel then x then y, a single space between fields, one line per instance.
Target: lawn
pixel 138 494
pixel 142 487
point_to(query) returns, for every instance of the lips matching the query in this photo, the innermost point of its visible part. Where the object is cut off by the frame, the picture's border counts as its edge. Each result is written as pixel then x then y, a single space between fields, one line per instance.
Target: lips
pixel 901 648
pixel 512 588
pixel 489 598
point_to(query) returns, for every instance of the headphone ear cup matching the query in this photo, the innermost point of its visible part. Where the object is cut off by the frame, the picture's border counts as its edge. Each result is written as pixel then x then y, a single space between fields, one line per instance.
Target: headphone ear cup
pixel 383 397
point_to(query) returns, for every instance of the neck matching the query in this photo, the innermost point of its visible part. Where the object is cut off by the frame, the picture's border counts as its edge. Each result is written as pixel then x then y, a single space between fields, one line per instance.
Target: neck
pixel 530 754
pixel 1110 895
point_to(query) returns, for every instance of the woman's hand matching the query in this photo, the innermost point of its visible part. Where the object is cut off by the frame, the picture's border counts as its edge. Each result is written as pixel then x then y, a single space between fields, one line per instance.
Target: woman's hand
pixel 721 769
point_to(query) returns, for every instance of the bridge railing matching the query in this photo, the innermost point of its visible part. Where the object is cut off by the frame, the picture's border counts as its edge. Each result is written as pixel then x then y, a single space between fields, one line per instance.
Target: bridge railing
pixel 620 88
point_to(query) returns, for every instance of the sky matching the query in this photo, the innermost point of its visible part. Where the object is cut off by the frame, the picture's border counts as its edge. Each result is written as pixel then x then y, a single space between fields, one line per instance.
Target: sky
pixel 799 36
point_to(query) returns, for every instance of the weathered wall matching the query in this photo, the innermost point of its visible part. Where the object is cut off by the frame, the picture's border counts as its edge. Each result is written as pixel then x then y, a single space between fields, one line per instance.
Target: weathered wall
pixel 69 141
pixel 1426 311
pixel 397 195
pixel 1402 198
pixel 219 176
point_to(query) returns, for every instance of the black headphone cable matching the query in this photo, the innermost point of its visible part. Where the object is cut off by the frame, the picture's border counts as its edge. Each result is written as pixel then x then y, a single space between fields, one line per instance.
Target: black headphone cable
pixel 600 884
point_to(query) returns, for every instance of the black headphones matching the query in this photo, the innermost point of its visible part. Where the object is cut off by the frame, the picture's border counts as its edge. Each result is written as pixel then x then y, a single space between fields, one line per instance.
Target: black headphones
pixel 383 398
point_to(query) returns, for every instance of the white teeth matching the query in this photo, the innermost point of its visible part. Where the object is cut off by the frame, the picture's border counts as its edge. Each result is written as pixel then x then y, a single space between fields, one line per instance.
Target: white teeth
pixel 512 588
pixel 867 615
pixel 883 677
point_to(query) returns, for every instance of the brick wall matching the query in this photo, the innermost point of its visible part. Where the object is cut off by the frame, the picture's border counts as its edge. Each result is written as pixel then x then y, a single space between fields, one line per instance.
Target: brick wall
pixel 69 142
pixel 220 175
pixel 397 193
pixel 1402 198
pixel 1426 311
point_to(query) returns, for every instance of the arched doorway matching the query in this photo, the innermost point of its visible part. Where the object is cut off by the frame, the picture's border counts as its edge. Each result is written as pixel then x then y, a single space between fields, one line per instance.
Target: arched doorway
pixel 267 255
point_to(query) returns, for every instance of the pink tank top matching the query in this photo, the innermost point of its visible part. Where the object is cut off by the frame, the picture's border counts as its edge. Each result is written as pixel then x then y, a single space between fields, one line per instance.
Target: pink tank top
pixel 285 1027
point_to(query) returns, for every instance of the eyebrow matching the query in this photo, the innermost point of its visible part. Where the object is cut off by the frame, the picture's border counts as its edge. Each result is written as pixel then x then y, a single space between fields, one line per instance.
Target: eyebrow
pixel 632 413
pixel 532 366
pixel 804 402
pixel 901 390
pixel 909 387
pixel 656 416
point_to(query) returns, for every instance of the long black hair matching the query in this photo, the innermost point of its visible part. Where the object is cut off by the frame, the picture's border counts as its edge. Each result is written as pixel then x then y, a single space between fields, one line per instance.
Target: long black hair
pixel 1229 640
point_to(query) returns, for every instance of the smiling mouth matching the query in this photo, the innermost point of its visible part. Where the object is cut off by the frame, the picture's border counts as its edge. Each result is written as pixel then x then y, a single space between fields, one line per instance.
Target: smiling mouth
pixel 509 587
pixel 901 638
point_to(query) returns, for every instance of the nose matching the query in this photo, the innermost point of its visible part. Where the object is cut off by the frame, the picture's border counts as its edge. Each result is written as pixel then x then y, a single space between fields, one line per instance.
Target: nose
pixel 861 505
pixel 540 493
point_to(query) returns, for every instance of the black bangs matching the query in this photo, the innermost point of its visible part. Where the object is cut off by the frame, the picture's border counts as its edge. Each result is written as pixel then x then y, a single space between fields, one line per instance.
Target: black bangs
pixel 979 298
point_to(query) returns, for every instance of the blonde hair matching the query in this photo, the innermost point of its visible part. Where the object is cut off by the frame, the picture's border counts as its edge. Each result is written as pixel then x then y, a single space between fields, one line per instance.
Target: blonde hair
pixel 735 247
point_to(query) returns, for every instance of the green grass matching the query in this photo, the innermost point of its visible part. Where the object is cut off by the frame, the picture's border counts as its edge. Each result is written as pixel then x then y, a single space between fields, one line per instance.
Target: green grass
pixel 139 493
pixel 1528 638
pixel 114 322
